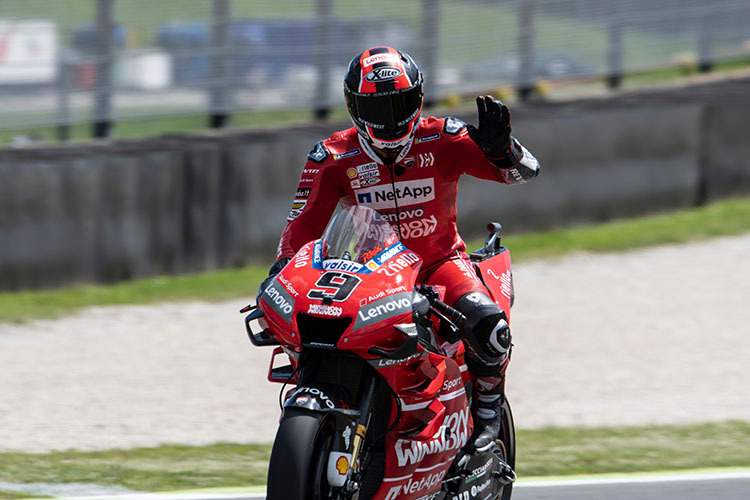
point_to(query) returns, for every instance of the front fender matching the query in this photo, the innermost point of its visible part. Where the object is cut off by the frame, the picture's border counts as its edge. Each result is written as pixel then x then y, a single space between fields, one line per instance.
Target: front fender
pixel 321 398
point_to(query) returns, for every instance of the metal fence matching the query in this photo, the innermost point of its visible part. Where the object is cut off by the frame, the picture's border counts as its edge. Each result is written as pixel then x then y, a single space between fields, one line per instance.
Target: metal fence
pixel 65 62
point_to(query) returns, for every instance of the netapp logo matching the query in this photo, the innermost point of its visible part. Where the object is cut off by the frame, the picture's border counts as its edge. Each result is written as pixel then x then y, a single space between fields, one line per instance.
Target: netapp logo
pixel 407 193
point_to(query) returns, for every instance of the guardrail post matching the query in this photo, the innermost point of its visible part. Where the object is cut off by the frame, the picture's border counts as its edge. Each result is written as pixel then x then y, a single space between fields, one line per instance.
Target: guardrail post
pixel 323 49
pixel 706 35
pixel 221 84
pixel 615 46
pixel 64 85
pixel 105 25
pixel 430 18
pixel 525 49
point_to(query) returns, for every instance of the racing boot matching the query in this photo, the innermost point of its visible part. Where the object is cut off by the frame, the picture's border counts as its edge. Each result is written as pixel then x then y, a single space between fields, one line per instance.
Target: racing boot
pixel 489 395
pixel 488 420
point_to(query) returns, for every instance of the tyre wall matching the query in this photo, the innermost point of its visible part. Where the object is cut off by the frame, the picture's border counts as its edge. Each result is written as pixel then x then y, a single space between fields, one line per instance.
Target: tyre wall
pixel 120 210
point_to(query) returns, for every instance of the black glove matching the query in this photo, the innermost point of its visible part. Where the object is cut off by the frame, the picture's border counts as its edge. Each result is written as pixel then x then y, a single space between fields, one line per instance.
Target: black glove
pixel 493 134
pixel 275 269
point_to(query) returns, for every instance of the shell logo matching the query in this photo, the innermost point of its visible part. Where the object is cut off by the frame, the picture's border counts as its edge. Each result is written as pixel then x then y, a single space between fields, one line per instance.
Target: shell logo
pixel 342 465
pixel 352 172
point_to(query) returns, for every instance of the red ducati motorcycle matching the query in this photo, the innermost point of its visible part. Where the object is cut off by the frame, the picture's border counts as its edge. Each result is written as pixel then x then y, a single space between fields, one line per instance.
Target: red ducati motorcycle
pixel 380 407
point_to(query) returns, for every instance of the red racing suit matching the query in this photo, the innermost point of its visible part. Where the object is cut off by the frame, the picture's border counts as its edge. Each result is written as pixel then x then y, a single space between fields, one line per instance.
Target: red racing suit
pixel 344 170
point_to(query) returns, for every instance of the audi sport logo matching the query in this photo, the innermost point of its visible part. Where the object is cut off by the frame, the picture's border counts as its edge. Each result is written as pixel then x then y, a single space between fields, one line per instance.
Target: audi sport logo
pixel 383 74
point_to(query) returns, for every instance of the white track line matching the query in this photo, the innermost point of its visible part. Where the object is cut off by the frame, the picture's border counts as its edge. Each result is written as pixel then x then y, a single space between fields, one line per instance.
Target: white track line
pixel 641 479
pixel 667 478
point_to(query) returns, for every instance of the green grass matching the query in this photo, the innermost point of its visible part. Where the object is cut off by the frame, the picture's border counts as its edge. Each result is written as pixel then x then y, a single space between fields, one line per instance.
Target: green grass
pixel 13 495
pixel 559 451
pixel 730 217
pixel 724 218
pixel 545 452
pixel 212 286
pixel 163 468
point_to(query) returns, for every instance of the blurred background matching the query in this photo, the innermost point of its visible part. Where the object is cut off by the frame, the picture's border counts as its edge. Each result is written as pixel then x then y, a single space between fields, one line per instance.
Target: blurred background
pixel 226 98
pixel 98 63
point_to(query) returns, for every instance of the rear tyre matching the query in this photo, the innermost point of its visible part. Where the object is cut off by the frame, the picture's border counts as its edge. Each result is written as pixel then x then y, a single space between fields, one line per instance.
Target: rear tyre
pixel 297 470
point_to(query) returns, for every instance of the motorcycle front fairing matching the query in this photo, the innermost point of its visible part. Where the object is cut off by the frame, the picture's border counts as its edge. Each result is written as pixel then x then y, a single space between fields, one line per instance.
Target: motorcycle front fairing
pixel 355 294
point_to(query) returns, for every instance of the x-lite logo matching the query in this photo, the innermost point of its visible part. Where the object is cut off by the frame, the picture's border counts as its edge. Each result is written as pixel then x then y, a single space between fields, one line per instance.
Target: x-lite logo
pixel 426 159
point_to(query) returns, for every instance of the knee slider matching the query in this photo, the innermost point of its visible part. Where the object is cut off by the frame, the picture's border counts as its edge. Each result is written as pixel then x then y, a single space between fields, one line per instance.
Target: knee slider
pixel 486 331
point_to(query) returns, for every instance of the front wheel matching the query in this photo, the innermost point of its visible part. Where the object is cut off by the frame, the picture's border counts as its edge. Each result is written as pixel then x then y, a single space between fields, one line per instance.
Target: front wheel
pixel 297 470
pixel 508 439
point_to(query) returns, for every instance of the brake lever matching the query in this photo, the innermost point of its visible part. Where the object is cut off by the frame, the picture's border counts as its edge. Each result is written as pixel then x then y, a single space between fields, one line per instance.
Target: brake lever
pixel 445 320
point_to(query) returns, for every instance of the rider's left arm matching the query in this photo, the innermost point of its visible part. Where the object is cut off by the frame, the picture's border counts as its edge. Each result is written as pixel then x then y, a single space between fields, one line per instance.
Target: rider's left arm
pixel 505 159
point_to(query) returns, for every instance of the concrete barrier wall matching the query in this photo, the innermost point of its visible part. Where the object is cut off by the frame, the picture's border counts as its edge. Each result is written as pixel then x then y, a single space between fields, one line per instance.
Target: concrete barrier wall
pixel 113 211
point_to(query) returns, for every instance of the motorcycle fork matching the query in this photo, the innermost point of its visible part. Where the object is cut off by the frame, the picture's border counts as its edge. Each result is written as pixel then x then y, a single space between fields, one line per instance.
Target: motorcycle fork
pixel 365 408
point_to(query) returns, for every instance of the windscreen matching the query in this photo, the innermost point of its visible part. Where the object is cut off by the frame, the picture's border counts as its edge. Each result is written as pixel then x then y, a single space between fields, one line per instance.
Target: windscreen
pixel 357 234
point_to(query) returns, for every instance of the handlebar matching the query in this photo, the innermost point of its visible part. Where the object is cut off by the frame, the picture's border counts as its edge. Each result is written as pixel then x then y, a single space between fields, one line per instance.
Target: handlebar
pixel 443 310
pixel 452 314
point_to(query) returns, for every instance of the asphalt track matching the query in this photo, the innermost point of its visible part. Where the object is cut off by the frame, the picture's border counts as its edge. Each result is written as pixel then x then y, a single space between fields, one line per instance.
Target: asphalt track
pixel 714 486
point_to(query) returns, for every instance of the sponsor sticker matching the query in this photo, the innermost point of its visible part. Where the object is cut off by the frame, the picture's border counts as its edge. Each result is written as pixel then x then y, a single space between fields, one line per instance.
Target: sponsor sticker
pixel 346 154
pixel 338 466
pixel 280 300
pixel 352 172
pixel 406 192
pixel 389 253
pixel 344 265
pixel 383 309
pixel 302 258
pixel 325 310
pixel 412 451
pixel 379 58
pixel 415 228
pixel 317 253
pixel 302 193
pixel 370 182
pixel 506 282
pixel 355 184
pixel 367 167
pixel 413 486
pixel 399 263
pixel 406 214
pixel 428 138
pixel 310 171
pixel 383 74
pixel 297 207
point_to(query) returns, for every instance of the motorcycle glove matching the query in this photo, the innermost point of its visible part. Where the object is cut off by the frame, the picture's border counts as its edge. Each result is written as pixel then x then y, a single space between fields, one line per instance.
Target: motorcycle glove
pixel 275 269
pixel 493 134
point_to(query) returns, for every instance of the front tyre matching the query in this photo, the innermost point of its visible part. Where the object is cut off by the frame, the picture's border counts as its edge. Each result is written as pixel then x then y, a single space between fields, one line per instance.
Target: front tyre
pixel 297 470
pixel 508 439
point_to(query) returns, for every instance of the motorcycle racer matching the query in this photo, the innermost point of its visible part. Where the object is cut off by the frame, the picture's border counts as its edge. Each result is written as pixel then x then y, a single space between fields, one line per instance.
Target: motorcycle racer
pixel 407 168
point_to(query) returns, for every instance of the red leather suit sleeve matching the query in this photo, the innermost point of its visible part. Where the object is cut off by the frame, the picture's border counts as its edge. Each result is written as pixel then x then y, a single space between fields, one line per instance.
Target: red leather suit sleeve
pixel 318 193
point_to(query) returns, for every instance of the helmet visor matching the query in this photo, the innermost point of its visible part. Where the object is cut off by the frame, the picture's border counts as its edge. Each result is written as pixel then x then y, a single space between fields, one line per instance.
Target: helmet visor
pixel 389 115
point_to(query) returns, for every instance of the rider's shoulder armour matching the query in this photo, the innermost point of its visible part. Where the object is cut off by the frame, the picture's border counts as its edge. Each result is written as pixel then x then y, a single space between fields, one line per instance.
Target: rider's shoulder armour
pixel 453 126
pixel 318 153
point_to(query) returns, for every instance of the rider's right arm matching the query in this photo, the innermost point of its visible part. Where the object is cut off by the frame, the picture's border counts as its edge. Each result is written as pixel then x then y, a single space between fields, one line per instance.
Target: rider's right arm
pixel 318 192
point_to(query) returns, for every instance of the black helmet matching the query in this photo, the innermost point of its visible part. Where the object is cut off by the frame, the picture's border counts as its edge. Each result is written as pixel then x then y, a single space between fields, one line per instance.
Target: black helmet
pixel 383 90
